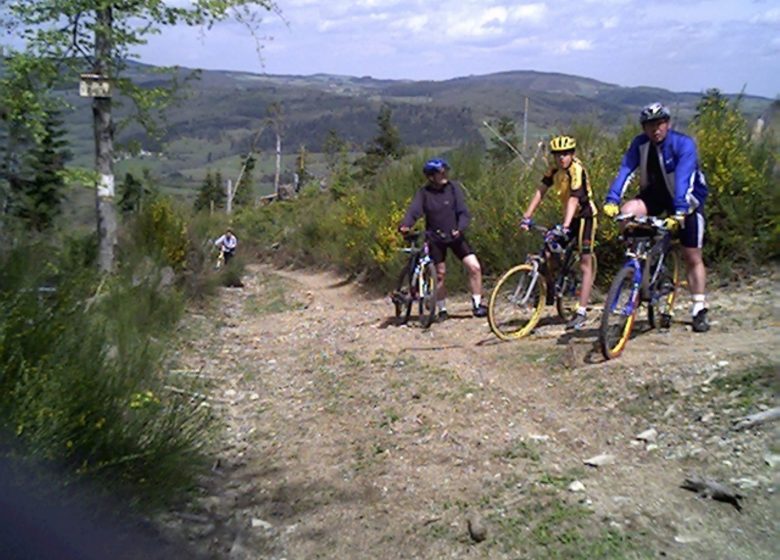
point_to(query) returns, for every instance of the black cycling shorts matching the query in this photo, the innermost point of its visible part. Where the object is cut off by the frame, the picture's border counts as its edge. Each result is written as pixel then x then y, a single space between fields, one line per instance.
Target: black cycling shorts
pixel 585 231
pixel 458 246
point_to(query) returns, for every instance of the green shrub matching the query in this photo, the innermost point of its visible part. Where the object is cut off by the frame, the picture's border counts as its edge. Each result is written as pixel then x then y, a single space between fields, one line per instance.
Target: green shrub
pixel 81 373
pixel 353 227
pixel 741 212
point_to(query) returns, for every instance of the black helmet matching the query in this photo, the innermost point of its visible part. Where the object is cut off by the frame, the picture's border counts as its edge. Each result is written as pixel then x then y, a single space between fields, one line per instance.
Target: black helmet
pixel 654 112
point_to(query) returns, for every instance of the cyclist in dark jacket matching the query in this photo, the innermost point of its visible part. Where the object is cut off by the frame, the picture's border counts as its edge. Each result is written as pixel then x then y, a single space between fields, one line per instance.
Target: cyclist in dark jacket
pixel 442 203
pixel 670 182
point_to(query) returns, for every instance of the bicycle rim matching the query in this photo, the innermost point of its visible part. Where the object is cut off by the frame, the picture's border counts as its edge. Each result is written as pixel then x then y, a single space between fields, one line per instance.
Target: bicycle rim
pixel 661 307
pixel 427 303
pixel 403 295
pixel 620 309
pixel 516 303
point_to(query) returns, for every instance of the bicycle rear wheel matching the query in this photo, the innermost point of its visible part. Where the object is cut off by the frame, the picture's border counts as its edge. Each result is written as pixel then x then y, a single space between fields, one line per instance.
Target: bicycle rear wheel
pixel 620 309
pixel 402 297
pixel 663 293
pixel 568 292
pixel 516 302
pixel 427 299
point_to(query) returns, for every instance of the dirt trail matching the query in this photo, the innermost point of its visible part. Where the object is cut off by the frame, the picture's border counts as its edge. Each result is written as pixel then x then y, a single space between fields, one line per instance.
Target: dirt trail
pixel 352 437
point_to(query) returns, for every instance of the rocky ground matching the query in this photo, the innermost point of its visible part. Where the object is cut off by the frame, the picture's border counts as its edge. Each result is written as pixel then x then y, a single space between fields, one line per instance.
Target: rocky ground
pixel 348 436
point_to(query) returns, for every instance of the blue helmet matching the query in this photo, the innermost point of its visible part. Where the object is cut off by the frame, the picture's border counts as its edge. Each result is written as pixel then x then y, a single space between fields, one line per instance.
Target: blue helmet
pixel 434 166
pixel 654 112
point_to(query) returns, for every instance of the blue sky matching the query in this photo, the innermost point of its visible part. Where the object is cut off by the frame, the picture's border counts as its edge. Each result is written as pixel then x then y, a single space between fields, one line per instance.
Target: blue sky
pixel 681 45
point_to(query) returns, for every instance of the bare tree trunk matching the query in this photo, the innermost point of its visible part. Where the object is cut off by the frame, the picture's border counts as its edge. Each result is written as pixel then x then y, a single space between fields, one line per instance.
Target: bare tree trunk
pixel 104 149
pixel 229 196
pixel 278 161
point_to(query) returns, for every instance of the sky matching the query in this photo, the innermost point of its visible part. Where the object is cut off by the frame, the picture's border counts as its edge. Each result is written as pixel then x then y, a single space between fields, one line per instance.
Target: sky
pixel 680 45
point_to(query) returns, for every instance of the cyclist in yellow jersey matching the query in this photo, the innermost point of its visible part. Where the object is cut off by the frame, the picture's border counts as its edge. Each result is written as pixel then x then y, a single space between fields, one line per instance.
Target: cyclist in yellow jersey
pixel 569 178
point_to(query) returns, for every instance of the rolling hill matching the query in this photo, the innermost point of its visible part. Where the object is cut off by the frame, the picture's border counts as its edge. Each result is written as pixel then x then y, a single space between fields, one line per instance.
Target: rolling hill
pixel 220 112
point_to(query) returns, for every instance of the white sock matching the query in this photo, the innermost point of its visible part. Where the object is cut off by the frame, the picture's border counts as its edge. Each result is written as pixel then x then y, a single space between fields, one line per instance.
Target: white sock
pixel 477 299
pixel 442 304
pixel 582 310
pixel 697 303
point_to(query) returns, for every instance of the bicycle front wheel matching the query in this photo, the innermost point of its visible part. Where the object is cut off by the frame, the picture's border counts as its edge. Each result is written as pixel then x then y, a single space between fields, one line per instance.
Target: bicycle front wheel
pixel 402 297
pixel 663 293
pixel 567 298
pixel 427 301
pixel 516 302
pixel 620 309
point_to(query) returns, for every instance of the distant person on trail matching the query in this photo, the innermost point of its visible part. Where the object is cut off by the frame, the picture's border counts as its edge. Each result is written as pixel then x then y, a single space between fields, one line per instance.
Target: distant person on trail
pixel 570 180
pixel 227 243
pixel 670 182
pixel 443 204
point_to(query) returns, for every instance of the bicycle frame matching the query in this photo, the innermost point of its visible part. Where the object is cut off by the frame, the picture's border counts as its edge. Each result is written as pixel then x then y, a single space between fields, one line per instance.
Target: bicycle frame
pixel 419 259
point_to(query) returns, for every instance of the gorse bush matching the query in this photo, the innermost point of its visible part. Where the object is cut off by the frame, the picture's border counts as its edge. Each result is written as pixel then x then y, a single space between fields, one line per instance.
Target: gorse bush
pixel 739 172
pixel 81 381
pixel 353 226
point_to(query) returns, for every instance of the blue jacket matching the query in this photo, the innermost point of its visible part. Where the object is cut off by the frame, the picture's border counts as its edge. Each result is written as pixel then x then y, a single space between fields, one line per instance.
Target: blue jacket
pixel 684 179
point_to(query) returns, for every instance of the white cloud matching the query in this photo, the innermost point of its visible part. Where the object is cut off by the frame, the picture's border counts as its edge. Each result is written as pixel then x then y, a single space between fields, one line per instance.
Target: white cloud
pixel 770 16
pixel 610 22
pixel 534 13
pixel 575 45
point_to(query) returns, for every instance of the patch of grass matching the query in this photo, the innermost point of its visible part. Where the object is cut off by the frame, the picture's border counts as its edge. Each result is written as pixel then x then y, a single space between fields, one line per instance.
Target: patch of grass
pixel 520 449
pixel 548 526
pixel 273 298
pixel 755 384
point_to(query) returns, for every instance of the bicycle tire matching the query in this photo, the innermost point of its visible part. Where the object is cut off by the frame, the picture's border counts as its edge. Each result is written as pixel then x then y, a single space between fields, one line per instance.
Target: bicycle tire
pixel 664 292
pixel 617 320
pixel 508 319
pixel 568 297
pixel 427 300
pixel 402 298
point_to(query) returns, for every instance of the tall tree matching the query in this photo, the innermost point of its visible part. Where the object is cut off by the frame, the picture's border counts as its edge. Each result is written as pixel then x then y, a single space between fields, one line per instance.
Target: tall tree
pixel 245 188
pixel 211 193
pixel 99 36
pixel 504 143
pixel 276 120
pixel 333 148
pixel 37 197
pixel 385 147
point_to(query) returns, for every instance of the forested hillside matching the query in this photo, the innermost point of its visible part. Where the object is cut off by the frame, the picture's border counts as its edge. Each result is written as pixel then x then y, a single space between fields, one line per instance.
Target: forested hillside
pixel 219 114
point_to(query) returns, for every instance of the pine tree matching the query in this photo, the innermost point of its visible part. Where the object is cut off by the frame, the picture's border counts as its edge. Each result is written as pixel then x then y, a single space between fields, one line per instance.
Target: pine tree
pixel 499 152
pixel 301 167
pixel 38 189
pixel 332 148
pixel 245 189
pixel 386 145
pixel 211 192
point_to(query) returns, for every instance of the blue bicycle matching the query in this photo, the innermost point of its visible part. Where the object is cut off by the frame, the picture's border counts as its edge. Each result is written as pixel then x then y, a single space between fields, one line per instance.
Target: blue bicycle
pixel 651 275
pixel 416 283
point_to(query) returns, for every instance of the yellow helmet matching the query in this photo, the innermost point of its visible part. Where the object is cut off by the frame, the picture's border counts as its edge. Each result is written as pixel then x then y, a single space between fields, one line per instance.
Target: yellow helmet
pixel 562 144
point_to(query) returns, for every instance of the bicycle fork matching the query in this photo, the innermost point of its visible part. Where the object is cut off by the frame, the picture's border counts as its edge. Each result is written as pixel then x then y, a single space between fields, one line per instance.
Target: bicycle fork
pixel 522 299
pixel 633 300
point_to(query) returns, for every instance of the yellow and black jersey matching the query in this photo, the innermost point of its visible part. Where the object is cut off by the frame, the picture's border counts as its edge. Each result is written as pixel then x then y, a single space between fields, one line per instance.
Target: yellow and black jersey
pixel 572 182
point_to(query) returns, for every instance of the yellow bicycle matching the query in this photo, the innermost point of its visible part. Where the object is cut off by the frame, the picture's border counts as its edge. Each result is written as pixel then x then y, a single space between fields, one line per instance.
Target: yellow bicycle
pixel 551 276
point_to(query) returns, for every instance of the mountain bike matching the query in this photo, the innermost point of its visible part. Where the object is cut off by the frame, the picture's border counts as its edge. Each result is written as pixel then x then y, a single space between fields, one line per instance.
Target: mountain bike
pixel 416 283
pixel 220 260
pixel 651 274
pixel 551 276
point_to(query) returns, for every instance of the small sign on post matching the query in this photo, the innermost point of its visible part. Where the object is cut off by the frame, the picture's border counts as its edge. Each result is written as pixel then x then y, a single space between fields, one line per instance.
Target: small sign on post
pixel 94 85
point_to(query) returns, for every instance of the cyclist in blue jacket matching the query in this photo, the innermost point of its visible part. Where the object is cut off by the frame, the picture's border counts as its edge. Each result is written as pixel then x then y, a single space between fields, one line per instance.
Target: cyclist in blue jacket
pixel 670 182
